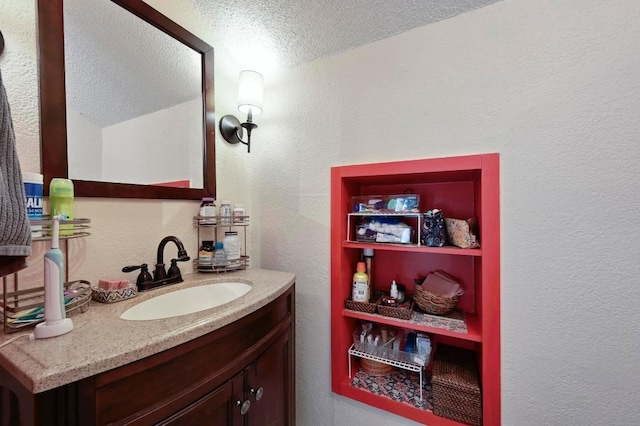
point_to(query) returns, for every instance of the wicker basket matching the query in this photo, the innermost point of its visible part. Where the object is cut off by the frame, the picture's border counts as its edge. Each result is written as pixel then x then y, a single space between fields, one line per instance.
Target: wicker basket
pixel 375 368
pixel 369 308
pixel 456 385
pixel 401 312
pixel 433 303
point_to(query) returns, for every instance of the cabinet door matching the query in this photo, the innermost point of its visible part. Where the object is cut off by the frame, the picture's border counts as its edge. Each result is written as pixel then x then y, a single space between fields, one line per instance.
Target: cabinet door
pixel 218 408
pixel 269 385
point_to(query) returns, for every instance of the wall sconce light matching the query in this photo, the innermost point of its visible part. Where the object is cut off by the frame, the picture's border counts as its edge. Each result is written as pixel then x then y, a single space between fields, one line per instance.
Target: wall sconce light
pixel 250 94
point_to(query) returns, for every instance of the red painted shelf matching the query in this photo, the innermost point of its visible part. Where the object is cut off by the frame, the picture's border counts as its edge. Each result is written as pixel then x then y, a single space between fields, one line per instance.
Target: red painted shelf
pixel 462 187
pixel 473 333
pixel 401 409
pixel 409 248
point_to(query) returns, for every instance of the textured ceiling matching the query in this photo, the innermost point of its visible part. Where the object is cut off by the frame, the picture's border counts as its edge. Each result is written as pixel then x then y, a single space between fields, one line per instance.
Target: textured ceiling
pixel 281 33
pixel 295 31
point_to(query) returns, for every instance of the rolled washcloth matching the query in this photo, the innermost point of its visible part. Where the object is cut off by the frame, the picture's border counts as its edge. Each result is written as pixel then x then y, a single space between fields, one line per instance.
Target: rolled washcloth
pixel 113 284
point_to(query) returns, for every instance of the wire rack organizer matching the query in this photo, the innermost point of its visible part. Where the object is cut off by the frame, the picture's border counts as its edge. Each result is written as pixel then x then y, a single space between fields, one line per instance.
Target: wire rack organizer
pixel 404 360
pixel 23 307
pixel 224 223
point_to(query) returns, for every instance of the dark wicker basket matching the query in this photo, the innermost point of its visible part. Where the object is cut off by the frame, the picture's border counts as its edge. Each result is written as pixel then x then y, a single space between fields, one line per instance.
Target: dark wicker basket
pixel 369 308
pixel 401 312
pixel 433 303
pixel 456 385
pixel 375 368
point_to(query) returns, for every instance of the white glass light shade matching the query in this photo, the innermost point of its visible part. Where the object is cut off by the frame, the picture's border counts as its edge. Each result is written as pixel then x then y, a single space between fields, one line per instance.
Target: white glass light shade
pixel 250 92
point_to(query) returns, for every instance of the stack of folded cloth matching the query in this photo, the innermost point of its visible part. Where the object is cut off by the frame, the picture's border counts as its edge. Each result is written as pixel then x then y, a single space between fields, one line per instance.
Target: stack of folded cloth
pixel 442 284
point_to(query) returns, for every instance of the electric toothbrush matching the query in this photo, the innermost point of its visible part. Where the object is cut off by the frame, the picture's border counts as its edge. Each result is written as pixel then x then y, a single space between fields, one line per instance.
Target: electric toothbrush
pixel 55 322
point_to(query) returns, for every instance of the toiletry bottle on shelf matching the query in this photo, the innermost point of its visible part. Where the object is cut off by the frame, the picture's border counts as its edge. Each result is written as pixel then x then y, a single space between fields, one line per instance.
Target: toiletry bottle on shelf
pixel 33 183
pixel 368 262
pixel 394 290
pixel 226 213
pixel 219 257
pixel 61 202
pixel 231 244
pixel 205 255
pixel 208 211
pixel 360 289
pixel 239 214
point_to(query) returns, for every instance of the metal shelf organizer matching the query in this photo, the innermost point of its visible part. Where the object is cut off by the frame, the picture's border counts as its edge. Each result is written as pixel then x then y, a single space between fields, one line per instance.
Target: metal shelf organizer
pixel 227 223
pixel 21 308
pixel 406 361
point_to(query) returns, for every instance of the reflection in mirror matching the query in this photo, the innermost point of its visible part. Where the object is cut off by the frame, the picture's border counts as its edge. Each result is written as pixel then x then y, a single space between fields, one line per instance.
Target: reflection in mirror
pixel 139 101
pixel 134 110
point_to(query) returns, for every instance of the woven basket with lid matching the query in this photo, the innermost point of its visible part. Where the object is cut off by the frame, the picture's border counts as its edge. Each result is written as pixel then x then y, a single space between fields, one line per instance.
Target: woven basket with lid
pixel 456 385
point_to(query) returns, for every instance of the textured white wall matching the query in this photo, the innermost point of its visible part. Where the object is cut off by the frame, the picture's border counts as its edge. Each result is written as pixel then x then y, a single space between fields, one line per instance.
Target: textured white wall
pixel 552 86
pixel 162 146
pixel 84 147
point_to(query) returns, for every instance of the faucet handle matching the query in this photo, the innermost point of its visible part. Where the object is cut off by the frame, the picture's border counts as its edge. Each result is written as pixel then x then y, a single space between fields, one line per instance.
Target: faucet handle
pixel 143 277
pixel 174 271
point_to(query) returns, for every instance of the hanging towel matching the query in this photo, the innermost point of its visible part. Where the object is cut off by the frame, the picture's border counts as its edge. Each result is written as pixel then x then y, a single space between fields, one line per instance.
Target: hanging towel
pixel 15 230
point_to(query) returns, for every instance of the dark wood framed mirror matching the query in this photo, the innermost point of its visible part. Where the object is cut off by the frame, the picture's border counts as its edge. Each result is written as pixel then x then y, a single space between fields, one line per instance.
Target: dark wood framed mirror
pixel 53 106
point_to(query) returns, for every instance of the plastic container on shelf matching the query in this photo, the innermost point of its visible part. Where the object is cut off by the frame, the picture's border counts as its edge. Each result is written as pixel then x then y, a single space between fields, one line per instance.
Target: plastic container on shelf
pixel 205 255
pixel 208 211
pixel 231 245
pixel 61 202
pixel 361 290
pixel 226 213
pixel 33 187
pixel 239 213
pixel 219 256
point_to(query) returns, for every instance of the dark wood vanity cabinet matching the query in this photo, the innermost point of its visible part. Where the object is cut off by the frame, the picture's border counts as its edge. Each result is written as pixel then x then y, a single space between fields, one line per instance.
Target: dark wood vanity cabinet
pixel 261 389
pixel 240 375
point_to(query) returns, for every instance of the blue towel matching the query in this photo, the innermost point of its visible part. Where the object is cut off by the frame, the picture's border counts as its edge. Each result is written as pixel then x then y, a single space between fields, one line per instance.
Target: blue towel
pixel 15 230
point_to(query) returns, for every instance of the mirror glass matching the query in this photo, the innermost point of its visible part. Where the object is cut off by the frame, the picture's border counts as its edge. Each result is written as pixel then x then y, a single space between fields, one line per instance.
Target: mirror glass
pixel 138 91
pixel 134 110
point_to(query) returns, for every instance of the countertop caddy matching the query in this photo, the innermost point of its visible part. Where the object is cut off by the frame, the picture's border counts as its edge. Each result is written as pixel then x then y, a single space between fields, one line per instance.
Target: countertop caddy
pixel 104 351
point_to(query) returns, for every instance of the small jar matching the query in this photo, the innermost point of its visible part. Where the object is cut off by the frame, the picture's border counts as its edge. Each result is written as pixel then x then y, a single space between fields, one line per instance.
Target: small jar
pixel 208 210
pixel 239 214
pixel 231 244
pixel 225 212
pixel 205 255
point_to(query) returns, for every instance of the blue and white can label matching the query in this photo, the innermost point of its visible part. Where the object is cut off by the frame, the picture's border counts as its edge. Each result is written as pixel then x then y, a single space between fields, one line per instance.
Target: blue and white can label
pixel 33 186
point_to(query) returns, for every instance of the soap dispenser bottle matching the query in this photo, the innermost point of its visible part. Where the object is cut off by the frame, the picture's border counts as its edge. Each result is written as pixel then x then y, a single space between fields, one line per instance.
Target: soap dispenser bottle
pixel 394 290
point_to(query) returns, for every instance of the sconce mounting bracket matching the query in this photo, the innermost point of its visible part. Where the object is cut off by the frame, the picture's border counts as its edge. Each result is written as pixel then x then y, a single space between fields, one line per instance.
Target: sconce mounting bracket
pixel 230 129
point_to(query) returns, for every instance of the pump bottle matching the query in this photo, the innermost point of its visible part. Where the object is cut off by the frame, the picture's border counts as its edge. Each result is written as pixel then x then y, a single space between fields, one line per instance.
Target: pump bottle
pixel 360 290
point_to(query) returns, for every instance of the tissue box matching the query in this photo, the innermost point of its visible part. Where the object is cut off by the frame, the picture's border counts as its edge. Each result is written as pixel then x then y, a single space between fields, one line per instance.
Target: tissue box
pixel 384 230
pixel 401 203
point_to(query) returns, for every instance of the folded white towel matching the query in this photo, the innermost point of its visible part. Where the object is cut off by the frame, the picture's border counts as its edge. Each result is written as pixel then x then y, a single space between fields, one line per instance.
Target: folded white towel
pixel 15 230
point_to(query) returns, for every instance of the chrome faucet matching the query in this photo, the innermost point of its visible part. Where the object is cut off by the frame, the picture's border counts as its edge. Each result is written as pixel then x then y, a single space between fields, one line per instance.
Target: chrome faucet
pixel 160 275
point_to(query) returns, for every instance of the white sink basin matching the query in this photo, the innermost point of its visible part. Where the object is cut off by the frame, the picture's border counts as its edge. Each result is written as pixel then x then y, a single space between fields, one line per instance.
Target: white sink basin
pixel 186 301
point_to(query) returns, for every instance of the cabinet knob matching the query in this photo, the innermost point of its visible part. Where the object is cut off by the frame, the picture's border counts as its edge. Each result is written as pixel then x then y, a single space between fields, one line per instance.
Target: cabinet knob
pixel 257 393
pixel 244 406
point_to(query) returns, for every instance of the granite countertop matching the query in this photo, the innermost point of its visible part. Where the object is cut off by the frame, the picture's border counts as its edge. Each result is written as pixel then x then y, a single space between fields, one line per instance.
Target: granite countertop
pixel 101 341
